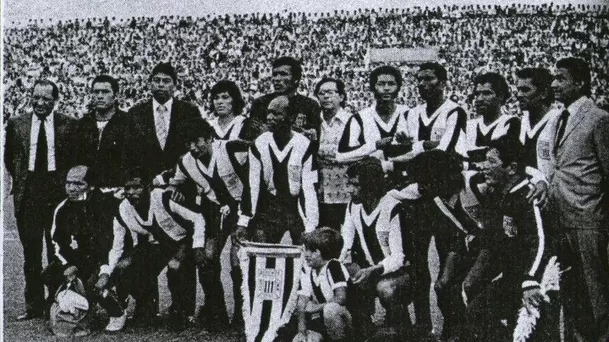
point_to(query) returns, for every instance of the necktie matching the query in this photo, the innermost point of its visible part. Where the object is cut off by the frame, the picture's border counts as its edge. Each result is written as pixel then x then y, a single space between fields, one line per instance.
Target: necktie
pixel 42 149
pixel 562 126
pixel 161 126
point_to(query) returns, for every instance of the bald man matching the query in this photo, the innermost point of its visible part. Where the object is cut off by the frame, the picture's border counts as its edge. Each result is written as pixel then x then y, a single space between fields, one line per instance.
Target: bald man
pixel 281 193
pixel 82 230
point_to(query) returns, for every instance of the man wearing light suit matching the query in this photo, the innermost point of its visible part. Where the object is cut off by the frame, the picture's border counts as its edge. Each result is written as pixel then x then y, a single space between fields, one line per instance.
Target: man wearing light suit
pixel 38 153
pixel 156 125
pixel 579 195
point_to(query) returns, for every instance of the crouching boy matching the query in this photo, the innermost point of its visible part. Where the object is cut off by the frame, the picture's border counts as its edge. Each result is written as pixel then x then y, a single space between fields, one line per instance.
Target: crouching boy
pixel 322 295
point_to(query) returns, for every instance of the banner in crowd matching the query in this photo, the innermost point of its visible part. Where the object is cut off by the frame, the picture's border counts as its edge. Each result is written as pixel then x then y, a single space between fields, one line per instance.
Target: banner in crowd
pixel 405 55
pixel 269 289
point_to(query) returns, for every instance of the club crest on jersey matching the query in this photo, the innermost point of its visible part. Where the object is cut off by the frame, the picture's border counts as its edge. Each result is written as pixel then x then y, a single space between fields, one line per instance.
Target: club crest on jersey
pixel 437 134
pixel 509 226
pixel 73 243
pixel 383 238
pixel 295 173
pixel 544 149
pixel 231 180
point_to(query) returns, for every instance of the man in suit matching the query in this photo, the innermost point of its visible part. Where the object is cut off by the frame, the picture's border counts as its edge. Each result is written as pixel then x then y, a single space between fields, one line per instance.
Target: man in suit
pixel 579 195
pixel 39 151
pixel 287 73
pixel 103 132
pixel 157 125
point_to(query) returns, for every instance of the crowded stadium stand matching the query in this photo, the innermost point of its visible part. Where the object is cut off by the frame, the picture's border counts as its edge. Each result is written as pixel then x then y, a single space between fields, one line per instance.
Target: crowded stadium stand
pixel 469 40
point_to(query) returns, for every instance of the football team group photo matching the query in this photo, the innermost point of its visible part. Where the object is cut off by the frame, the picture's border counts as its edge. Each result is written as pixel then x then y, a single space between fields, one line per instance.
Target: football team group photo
pixel 348 171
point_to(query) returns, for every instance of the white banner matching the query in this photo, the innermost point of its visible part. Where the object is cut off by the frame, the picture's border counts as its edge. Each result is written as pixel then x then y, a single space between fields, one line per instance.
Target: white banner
pixel 269 289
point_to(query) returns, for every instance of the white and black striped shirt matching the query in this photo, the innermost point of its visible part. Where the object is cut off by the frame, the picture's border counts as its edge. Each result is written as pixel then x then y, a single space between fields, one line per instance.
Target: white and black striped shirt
pixel 287 172
pixel 319 285
pixel 446 125
pixel 377 235
pixel 366 128
pixel 166 220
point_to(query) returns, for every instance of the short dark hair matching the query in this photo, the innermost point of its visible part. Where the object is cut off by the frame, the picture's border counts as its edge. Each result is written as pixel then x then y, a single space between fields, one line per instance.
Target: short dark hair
pixel 497 82
pixel 370 173
pixel 541 78
pixel 106 79
pixel 386 70
pixel 437 168
pixel 579 71
pixel 47 82
pixel 326 240
pixel 197 128
pixel 167 69
pixel 509 149
pixel 437 69
pixel 293 63
pixel 340 86
pixel 230 87
pixel 131 173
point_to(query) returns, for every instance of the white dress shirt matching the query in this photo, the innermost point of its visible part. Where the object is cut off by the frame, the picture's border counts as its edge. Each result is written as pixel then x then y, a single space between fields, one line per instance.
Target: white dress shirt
pixel 164 117
pixel 49 126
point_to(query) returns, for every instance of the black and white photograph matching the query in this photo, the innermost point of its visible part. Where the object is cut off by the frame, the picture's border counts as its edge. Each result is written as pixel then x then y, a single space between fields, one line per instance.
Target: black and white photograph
pixel 293 171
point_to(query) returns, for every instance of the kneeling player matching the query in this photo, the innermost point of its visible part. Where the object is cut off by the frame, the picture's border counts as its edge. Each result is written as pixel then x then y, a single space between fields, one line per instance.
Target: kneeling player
pixel 522 250
pixel 374 248
pixel 161 232
pixel 322 296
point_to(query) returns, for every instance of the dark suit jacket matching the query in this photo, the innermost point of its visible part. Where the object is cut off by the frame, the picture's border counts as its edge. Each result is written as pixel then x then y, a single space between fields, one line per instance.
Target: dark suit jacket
pixel 148 153
pixel 17 153
pixel 108 157
pixel 299 104
pixel 579 182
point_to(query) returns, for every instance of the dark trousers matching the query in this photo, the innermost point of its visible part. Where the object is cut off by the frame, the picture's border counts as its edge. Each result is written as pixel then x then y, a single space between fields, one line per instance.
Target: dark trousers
pixel 34 222
pixel 274 218
pixel 585 287
pixel 394 291
pixel 502 300
pixel 332 215
pixel 136 274
pixel 420 218
pixel 209 272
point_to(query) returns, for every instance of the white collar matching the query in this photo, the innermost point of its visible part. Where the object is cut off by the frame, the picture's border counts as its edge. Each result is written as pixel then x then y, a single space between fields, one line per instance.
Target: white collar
pixel 436 113
pixel 82 197
pixel 156 104
pixel 342 115
pixel 48 118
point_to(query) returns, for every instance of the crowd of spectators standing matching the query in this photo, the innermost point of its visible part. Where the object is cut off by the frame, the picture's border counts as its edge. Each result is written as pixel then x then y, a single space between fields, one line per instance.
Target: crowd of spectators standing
pixel 471 40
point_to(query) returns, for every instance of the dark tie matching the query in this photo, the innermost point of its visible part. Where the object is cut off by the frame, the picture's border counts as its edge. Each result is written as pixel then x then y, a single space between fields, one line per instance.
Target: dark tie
pixel 42 149
pixel 562 126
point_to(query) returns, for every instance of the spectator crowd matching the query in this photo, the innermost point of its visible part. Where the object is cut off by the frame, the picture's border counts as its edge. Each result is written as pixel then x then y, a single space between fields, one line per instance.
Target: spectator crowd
pixel 139 145
pixel 470 39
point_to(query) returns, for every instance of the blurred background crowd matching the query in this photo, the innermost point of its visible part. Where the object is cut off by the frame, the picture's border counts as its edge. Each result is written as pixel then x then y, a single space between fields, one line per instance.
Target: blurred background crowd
pixel 470 40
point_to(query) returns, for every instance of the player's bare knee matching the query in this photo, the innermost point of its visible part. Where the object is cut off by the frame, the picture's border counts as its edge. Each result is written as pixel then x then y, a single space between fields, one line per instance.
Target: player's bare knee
pixel 332 311
pixel 337 320
pixel 386 290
